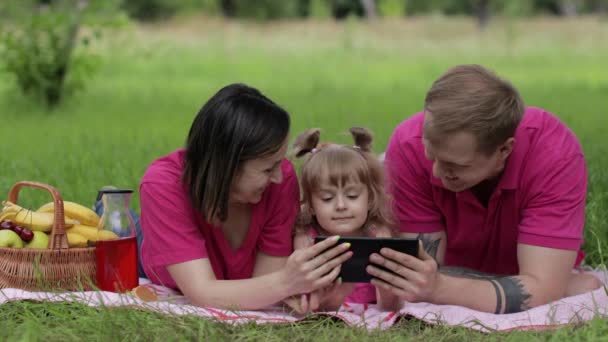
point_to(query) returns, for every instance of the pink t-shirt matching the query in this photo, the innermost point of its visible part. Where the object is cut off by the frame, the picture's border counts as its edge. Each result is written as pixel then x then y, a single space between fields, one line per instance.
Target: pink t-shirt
pixel 539 200
pixel 174 232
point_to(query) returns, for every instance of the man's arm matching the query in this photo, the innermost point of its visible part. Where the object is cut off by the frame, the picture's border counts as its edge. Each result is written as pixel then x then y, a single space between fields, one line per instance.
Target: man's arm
pixel 434 243
pixel 543 277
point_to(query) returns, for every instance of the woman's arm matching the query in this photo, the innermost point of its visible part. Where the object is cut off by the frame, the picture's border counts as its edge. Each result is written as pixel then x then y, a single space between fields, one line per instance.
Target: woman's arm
pixel 197 282
pixel 304 271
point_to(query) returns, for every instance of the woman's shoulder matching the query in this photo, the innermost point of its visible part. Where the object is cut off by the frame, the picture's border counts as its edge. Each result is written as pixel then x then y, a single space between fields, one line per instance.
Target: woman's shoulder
pixel 166 169
pixel 288 169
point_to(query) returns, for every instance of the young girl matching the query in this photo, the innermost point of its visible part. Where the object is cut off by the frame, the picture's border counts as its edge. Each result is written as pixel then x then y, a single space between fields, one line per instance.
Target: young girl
pixel 342 194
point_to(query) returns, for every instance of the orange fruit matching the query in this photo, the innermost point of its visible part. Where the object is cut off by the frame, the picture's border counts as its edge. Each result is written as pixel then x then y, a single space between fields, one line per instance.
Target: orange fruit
pixel 144 293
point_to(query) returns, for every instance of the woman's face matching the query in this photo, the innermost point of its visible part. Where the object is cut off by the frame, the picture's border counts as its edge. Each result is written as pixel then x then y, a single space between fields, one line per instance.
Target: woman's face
pixel 255 175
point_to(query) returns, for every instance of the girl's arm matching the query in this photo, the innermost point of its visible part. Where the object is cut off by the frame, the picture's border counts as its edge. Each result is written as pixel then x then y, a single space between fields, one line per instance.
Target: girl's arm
pixel 333 297
pixel 326 299
pixel 387 301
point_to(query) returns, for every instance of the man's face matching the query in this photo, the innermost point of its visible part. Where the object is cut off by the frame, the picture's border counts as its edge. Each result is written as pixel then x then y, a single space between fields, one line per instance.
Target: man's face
pixel 459 165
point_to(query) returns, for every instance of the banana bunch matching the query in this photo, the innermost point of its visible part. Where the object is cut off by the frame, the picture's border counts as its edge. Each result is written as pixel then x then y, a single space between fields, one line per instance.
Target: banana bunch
pixel 81 234
pixel 74 211
pixel 80 222
pixel 31 219
pixel 85 229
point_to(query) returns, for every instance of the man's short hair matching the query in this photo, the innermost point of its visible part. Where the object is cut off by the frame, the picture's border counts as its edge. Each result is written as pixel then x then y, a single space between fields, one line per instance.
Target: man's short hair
pixel 473 99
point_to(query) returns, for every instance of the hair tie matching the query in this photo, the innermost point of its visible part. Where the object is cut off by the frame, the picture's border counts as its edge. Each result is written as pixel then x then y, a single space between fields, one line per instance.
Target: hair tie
pixel 314 150
pixel 356 147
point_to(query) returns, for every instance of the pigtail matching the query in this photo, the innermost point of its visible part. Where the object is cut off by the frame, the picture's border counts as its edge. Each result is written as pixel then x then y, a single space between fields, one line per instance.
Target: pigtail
pixel 306 142
pixel 362 137
pixel 380 216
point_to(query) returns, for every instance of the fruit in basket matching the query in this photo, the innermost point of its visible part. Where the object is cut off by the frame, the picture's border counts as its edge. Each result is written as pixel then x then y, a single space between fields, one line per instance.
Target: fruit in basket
pixel 9 238
pixel 31 219
pixel 40 240
pixel 24 233
pixel 76 240
pixel 74 211
pixel 7 224
pixel 92 233
pixel 6 215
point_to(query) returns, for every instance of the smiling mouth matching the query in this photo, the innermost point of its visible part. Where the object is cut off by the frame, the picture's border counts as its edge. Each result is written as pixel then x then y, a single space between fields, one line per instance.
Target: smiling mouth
pixel 342 218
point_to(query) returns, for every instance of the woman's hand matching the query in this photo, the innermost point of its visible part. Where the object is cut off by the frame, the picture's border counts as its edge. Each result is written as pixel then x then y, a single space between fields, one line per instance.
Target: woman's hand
pixel 413 279
pixel 314 267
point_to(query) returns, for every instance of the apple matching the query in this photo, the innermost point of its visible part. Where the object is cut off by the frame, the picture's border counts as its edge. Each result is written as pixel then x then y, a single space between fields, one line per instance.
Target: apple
pixel 9 238
pixel 25 234
pixel 40 240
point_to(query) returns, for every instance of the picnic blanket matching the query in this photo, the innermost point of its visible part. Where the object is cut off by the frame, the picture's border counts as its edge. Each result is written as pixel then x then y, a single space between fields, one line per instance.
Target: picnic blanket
pixel 570 310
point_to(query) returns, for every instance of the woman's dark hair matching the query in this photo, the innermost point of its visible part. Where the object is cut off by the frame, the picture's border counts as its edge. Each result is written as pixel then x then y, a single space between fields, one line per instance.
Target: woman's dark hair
pixel 235 125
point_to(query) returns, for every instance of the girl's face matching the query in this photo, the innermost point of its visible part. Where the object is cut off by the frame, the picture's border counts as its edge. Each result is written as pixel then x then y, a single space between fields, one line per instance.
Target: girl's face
pixel 341 210
pixel 255 176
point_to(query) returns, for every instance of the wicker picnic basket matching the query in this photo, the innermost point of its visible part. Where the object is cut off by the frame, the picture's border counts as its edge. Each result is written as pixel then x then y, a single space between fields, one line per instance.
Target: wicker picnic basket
pixel 55 268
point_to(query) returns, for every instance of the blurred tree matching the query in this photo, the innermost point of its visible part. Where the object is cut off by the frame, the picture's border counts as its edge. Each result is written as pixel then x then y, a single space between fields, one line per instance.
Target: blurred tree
pixel 569 8
pixel 546 6
pixel 150 10
pixel 228 8
pixel 303 8
pixel 341 9
pixel 391 8
pixel 38 41
pixel 601 7
pixel 369 8
pixel 447 7
pixel 482 11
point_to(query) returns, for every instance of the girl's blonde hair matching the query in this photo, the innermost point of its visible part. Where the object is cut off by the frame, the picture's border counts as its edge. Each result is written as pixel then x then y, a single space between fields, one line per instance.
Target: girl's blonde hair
pixel 340 164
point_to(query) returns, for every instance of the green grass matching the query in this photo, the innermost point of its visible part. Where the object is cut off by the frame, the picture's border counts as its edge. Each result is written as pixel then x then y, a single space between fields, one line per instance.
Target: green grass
pixel 154 79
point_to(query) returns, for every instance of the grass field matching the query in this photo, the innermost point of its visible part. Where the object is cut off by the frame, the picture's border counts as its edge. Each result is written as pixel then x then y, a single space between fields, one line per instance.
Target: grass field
pixel 154 79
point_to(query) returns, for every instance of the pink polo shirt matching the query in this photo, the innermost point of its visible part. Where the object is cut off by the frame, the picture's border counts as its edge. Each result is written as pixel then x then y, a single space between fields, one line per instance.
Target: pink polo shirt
pixel 174 232
pixel 539 200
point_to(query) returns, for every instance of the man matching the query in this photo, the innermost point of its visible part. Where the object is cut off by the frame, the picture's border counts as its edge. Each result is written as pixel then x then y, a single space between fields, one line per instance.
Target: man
pixel 496 193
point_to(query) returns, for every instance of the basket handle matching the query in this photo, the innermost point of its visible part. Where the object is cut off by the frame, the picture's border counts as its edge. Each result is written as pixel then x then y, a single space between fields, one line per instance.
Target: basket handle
pixel 58 238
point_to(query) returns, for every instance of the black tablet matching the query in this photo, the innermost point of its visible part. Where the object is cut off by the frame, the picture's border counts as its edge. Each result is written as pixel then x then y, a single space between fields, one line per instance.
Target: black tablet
pixel 353 269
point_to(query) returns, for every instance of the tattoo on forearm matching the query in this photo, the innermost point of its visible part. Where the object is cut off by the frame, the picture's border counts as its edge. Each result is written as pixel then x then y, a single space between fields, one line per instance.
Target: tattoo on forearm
pixel 498 296
pixel 462 272
pixel 431 246
pixel 516 297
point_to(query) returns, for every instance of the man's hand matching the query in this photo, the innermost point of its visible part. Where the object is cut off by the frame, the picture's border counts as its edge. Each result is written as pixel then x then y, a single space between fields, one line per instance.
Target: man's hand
pixel 413 279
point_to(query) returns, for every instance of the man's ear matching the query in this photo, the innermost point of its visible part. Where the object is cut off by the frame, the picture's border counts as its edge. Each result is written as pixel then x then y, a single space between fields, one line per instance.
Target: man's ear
pixel 506 148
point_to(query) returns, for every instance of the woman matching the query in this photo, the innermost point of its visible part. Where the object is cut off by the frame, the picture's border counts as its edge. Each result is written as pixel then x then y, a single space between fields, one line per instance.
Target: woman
pixel 218 215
